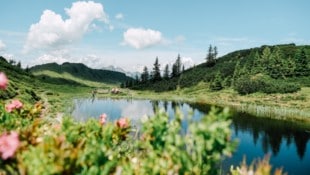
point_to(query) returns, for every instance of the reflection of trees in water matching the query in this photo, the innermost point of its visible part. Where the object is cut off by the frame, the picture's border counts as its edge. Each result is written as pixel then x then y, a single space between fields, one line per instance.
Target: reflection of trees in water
pixel 273 132
pixel 166 105
pixel 155 105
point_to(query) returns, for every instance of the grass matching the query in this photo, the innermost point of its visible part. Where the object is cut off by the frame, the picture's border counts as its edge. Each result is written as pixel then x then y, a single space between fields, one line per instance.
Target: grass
pixel 289 107
pixel 67 76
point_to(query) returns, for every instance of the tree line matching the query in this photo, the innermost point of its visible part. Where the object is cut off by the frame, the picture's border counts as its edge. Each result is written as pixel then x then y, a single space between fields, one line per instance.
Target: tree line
pixel 155 75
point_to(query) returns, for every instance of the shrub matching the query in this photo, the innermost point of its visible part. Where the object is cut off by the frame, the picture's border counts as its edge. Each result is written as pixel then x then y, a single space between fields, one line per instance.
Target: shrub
pixel 262 83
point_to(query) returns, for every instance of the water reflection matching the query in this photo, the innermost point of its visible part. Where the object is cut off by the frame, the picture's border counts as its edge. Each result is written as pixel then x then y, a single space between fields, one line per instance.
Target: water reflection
pixel 273 133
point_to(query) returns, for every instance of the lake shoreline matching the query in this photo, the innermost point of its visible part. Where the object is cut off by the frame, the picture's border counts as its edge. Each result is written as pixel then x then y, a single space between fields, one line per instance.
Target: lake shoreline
pixel 258 110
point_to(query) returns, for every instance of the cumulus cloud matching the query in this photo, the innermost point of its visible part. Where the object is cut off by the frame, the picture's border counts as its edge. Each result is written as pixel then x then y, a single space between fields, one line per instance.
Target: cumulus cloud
pixel 2 45
pixel 119 16
pixel 53 31
pixel 140 38
pixel 187 62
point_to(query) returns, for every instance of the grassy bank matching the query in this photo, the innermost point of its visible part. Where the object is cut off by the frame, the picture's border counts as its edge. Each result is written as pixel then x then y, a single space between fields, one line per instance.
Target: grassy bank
pixel 288 107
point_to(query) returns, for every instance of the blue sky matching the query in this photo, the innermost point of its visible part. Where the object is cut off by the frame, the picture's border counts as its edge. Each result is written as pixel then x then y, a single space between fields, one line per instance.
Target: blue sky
pixel 131 34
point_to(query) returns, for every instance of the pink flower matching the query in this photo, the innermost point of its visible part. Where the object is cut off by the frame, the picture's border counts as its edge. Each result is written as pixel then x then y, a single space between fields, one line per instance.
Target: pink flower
pixel 9 107
pixel 122 123
pixel 103 119
pixel 8 145
pixel 3 81
pixel 15 104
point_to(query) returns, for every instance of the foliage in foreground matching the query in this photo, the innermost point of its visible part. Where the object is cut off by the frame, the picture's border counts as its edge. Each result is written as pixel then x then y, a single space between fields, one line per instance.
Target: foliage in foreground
pixel 162 146
pixel 260 167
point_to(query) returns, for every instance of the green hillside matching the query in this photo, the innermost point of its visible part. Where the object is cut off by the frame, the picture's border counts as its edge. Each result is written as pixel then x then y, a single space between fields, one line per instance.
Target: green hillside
pixel 282 64
pixel 22 84
pixel 76 73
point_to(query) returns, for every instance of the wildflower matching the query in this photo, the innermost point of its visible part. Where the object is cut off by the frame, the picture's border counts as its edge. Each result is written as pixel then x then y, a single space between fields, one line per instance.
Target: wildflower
pixel 8 145
pixel 122 123
pixel 3 81
pixel 103 119
pixel 15 104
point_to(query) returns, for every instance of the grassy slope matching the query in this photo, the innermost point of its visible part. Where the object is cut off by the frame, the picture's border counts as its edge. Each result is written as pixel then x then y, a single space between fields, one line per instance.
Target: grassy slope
pixel 21 84
pixel 29 89
pixel 74 71
pixel 225 65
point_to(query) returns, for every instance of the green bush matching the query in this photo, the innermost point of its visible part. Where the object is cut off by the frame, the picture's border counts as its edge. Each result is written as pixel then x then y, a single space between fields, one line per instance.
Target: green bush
pixel 262 83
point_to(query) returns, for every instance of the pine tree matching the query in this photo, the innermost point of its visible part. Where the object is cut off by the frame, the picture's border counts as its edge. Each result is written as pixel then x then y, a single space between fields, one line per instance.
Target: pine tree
pixel 215 52
pixel 257 64
pixel 210 59
pixel 145 75
pixel 278 66
pixel 166 72
pixel 302 64
pixel 178 64
pixel 174 70
pixel 216 84
pixel 156 71
pixel 19 64
pixel 265 59
pixel 176 67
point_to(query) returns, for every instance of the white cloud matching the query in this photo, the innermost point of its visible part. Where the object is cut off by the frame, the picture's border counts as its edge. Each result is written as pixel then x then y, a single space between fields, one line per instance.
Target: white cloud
pixel 2 45
pixel 53 31
pixel 140 38
pixel 119 16
pixel 187 62
pixel 47 58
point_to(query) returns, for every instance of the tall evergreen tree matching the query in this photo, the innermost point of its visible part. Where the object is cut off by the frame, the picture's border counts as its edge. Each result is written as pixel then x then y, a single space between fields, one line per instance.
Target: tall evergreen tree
pixel 145 75
pixel 174 70
pixel 210 59
pixel 215 52
pixel 156 71
pixel 166 72
pixel 278 67
pixel 19 64
pixel 302 64
pixel 265 59
pixel 178 64
pixel 216 84
pixel 176 67
pixel 257 64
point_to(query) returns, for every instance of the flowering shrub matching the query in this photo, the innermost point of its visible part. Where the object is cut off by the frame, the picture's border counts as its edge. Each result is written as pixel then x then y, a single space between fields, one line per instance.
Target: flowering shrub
pixel 8 145
pixel 15 104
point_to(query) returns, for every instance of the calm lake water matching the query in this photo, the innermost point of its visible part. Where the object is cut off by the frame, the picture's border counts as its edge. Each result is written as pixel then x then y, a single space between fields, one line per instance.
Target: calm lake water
pixel 287 143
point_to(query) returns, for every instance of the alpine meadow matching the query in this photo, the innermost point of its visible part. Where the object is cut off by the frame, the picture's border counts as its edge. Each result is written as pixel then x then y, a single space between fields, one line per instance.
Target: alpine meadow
pixel 143 88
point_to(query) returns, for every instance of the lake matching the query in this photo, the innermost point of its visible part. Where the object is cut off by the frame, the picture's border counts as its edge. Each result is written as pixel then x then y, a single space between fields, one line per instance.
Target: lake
pixel 287 143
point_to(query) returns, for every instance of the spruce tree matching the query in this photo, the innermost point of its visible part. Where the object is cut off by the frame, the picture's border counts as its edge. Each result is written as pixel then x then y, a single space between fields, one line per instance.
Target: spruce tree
pixel 265 59
pixel 156 71
pixel 210 59
pixel 178 64
pixel 166 72
pixel 145 75
pixel 302 64
pixel 174 70
pixel 216 84
pixel 176 67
